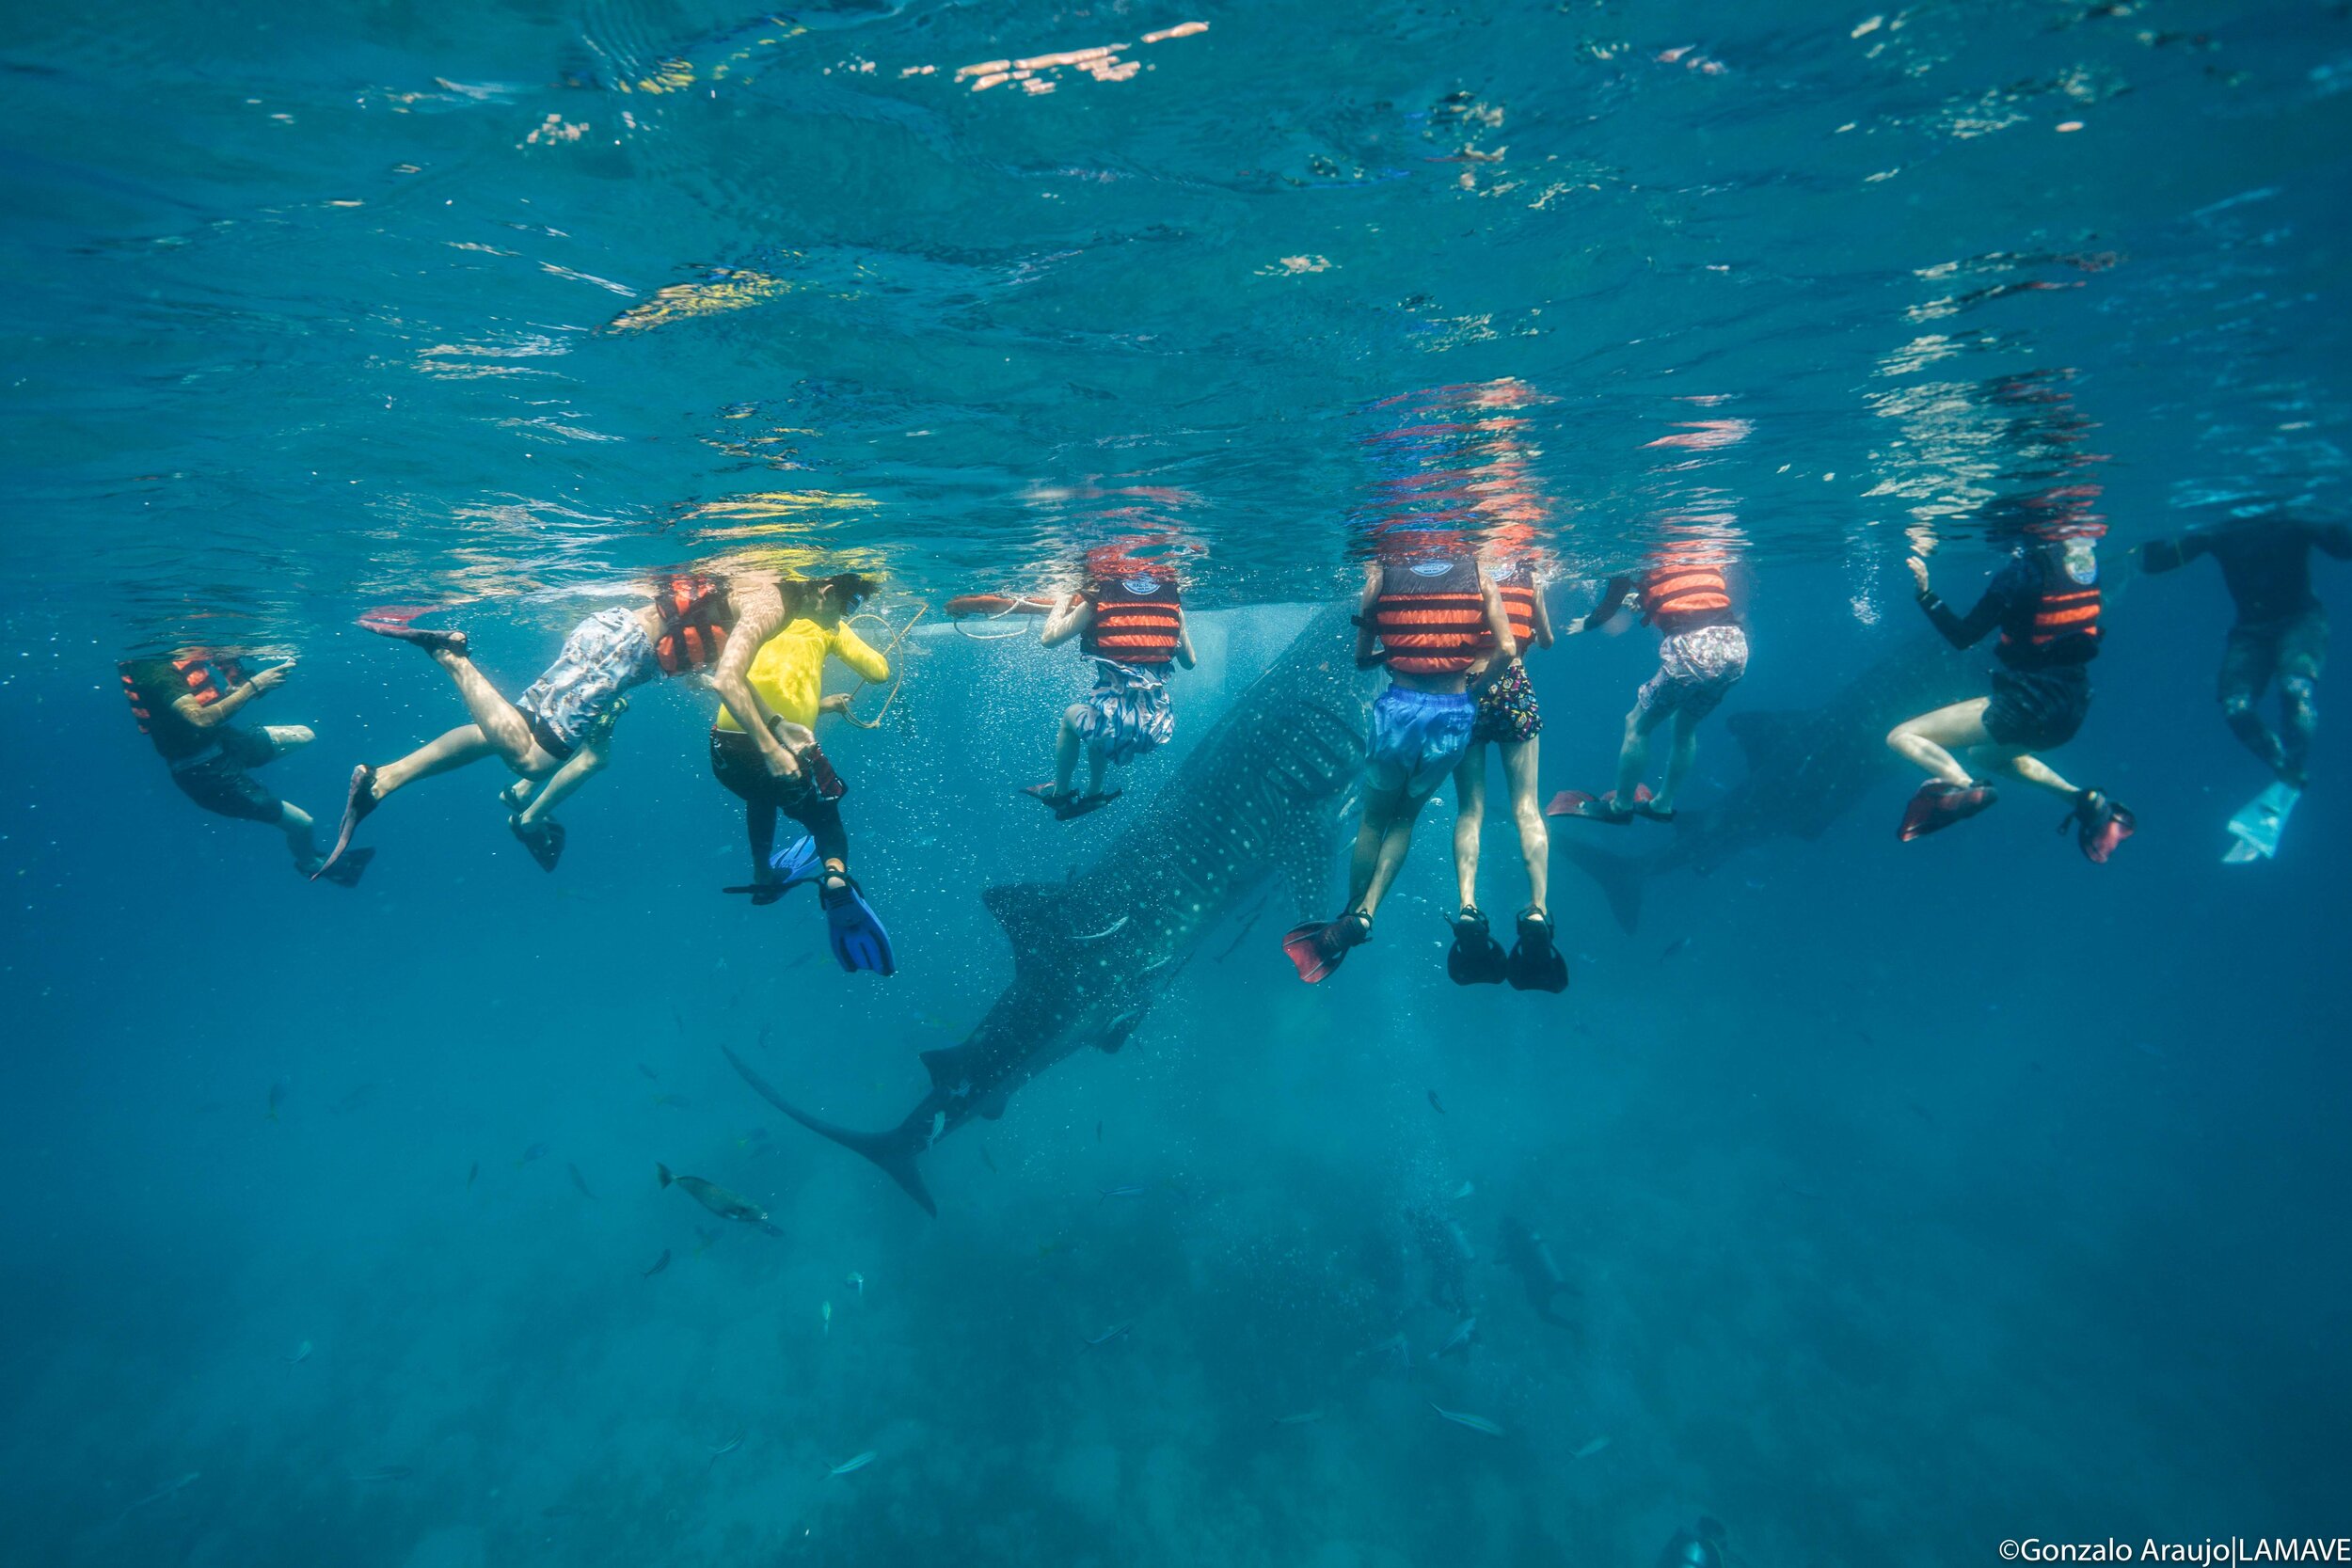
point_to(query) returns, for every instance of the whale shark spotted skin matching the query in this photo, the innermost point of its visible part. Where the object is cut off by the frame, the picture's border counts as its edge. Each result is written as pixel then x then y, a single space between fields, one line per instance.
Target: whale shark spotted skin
pixel 1262 793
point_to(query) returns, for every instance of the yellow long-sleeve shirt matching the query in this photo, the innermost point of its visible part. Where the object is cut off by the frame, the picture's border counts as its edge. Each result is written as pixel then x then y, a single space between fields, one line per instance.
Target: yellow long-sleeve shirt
pixel 788 672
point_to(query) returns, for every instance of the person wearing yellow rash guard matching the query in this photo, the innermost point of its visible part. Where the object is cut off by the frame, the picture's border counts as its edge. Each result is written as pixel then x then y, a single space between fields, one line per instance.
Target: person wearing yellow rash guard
pixel 787 676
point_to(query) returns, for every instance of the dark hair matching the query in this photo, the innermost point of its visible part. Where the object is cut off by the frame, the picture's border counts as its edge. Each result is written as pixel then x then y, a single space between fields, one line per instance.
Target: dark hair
pixel 849 589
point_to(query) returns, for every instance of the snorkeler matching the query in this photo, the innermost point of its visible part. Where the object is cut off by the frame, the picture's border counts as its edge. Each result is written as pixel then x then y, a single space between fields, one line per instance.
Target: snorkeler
pixel 1507 718
pixel 2046 602
pixel 184 704
pixel 2281 629
pixel 1702 654
pixel 556 732
pixel 787 676
pixel 1128 619
pixel 1433 614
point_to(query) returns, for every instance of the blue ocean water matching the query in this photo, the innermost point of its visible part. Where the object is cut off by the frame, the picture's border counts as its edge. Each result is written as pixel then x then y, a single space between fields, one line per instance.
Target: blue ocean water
pixel 1909 1198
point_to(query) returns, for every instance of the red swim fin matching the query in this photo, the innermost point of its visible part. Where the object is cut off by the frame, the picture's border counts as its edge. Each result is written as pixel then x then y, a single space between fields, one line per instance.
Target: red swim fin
pixel 1938 805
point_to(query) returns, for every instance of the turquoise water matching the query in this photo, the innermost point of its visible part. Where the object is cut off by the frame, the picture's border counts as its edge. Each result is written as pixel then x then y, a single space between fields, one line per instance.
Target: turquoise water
pixel 1910 1197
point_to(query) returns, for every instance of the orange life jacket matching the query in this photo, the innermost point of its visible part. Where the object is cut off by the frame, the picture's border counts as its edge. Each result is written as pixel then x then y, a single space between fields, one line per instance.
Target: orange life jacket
pixel 2064 628
pixel 151 686
pixel 1515 585
pixel 1138 620
pixel 695 618
pixel 1680 594
pixel 1431 617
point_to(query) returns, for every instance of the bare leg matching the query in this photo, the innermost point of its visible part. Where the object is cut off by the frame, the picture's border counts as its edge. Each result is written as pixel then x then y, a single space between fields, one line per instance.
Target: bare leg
pixel 578 770
pixel 2037 773
pixel 1066 747
pixel 500 722
pixel 296 824
pixel 1930 738
pixel 1470 816
pixel 1396 837
pixel 1518 768
pixel 1678 761
pixel 459 747
pixel 1634 757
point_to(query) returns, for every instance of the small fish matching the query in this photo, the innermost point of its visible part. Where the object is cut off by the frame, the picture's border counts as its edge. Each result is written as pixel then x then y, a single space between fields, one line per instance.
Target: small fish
pixel 276 1098
pixel 1921 1112
pixel 674 1101
pixel 680 1019
pixel 1588 1450
pixel 720 1201
pixel 725 1449
pixel 827 1315
pixel 390 1472
pixel 1098 1132
pixel 1463 1419
pixel 302 1353
pixel 1460 1338
pixel 1304 1418
pixel 1673 947
pixel 938 1125
pixel 987 1159
pixel 581 1182
pixel 1247 925
pixel 1435 1103
pixel 1109 1193
pixel 705 1240
pixel 1117 1331
pixel 353 1100
pixel 536 1151
pixel 855 1462
pixel 763 1037
pixel 169 1489
pixel 471 1171
pixel 649 1073
pixel 857 1283
pixel 659 1264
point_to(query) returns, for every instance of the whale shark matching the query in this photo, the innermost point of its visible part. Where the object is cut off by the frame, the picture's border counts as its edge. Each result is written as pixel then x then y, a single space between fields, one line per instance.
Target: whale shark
pixel 1805 769
pixel 1260 795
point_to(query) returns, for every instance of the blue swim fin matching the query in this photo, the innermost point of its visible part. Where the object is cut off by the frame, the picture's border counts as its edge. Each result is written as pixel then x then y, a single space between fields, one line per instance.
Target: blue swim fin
pixel 797 862
pixel 855 931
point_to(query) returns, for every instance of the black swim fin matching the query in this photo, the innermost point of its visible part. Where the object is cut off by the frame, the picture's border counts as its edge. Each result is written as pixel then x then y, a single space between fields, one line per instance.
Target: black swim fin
pixel 1475 958
pixel 347 871
pixel 545 840
pixel 1536 962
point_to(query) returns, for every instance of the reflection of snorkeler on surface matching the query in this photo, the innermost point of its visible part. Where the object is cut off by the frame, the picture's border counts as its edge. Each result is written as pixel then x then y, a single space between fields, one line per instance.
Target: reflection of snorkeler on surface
pixel 183 702
pixel 2046 602
pixel 1432 612
pixel 695 623
pixel 786 675
pixel 1128 619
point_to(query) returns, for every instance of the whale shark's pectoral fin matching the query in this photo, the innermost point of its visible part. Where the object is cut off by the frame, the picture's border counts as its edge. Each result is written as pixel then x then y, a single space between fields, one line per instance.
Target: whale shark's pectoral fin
pixel 1035 918
pixel 953 1069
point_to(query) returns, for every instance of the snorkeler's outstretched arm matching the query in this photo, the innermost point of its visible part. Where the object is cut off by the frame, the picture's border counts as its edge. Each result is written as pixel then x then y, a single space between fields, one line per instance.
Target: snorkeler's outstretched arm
pixel 227 707
pixel 1613 598
pixel 1962 632
pixel 2159 556
pixel 1185 655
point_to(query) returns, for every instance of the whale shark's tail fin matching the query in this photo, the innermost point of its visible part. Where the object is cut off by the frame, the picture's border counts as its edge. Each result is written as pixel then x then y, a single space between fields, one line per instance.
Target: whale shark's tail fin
pixel 894 1150
pixel 1620 877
